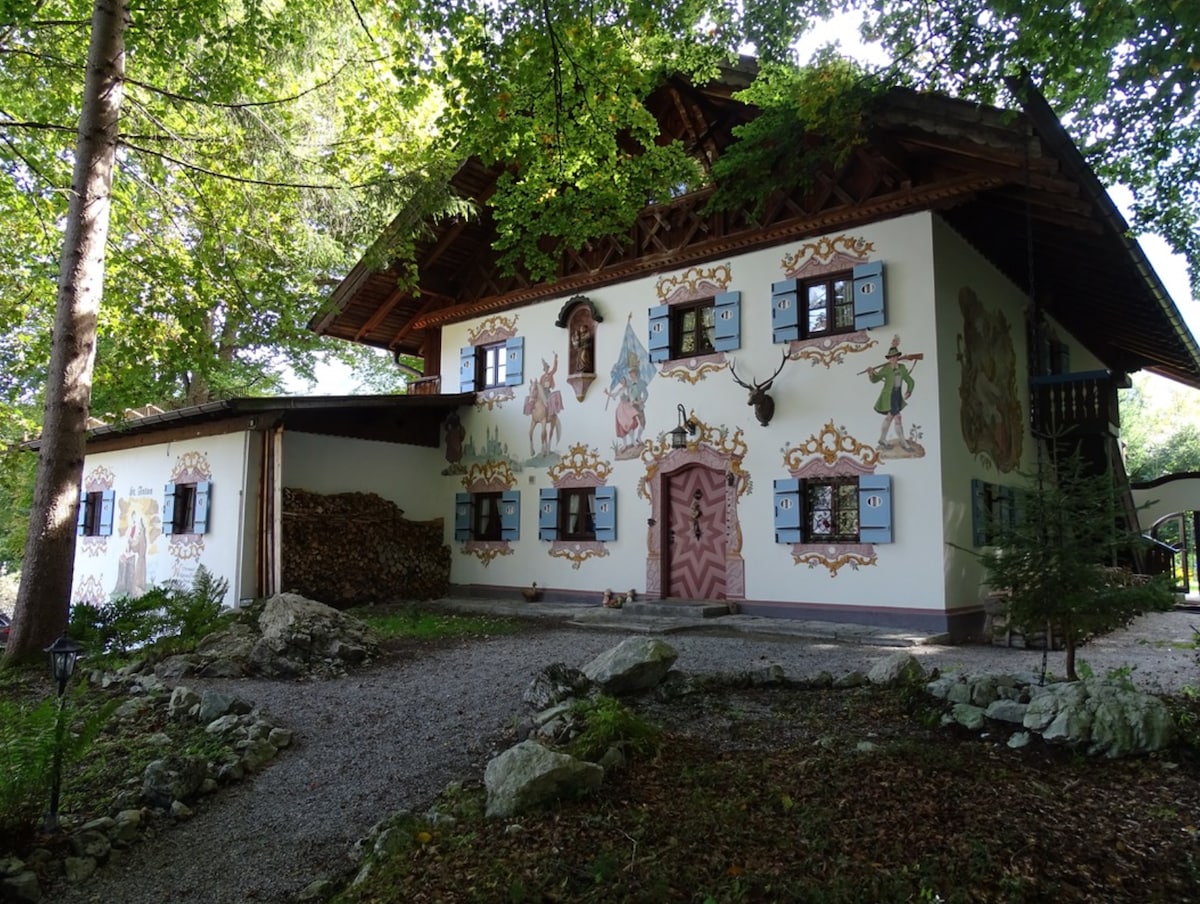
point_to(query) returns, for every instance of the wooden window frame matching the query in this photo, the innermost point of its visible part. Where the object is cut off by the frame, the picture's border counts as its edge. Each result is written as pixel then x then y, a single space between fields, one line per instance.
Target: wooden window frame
pixel 838 507
pixel 587 510
pixel 183 520
pixel 831 307
pixel 483 505
pixel 491 365
pixel 702 334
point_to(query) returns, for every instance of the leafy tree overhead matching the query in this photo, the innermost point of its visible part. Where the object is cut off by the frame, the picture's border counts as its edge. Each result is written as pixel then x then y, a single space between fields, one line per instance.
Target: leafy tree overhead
pixel 1160 426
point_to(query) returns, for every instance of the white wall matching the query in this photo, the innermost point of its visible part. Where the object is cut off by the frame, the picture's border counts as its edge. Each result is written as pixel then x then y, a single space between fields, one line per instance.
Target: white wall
pixel 908 573
pixel 403 474
pixel 138 477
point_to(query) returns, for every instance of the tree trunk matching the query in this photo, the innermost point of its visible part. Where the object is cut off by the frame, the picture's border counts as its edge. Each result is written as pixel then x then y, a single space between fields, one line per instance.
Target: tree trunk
pixel 43 601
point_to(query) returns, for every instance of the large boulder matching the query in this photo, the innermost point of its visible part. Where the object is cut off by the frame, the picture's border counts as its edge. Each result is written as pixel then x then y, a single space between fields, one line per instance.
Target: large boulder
pixel 897 668
pixel 1105 718
pixel 635 664
pixel 555 683
pixel 297 629
pixel 173 778
pixel 529 775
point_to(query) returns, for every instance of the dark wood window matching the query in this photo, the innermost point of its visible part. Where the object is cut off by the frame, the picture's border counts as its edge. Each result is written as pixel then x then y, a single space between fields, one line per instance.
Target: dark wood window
pixel 91 513
pixel 577 514
pixel 485 516
pixel 831 506
pixel 490 366
pixel 829 304
pixel 183 520
pixel 692 328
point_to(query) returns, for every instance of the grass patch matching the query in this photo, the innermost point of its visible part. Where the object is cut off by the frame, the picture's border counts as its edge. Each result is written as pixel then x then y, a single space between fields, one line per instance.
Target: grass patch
pixel 422 624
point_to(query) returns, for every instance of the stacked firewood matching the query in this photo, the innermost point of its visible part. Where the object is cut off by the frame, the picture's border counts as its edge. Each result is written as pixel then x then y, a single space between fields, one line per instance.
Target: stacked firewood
pixel 352 548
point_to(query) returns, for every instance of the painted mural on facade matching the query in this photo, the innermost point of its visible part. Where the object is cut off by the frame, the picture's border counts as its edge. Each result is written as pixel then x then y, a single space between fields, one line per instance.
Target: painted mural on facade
pixel 694 284
pixel 629 387
pixel 139 523
pixel 989 409
pixel 543 407
pixel 896 383
pixel 185 550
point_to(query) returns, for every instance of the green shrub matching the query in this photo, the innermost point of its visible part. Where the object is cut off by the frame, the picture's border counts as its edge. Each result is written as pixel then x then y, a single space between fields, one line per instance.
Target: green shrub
pixel 28 738
pixel 608 723
pixel 167 615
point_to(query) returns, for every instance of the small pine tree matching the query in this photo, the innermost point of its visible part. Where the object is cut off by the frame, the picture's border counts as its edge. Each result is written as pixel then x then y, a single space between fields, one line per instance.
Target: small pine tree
pixel 1059 559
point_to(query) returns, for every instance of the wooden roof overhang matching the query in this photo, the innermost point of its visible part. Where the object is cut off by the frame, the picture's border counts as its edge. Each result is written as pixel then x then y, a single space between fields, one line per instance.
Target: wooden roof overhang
pixel 410 419
pixel 1012 184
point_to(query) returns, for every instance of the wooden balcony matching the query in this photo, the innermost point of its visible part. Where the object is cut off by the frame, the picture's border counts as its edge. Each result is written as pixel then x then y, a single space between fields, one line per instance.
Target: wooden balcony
pixel 1069 406
pixel 425 386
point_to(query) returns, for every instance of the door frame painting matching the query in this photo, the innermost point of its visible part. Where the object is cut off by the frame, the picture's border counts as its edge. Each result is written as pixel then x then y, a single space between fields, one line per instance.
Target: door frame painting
pixel 714 448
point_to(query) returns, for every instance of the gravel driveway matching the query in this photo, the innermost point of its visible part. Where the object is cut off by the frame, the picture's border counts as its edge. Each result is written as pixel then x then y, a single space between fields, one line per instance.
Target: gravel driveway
pixel 391 738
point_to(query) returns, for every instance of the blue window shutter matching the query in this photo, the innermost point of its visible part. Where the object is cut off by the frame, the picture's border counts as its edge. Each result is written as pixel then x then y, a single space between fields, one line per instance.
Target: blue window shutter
pixel 168 515
pixel 606 513
pixel 203 494
pixel 548 513
pixel 108 501
pixel 659 341
pixel 462 516
pixel 875 508
pixel 81 518
pixel 514 361
pixel 727 315
pixel 789 511
pixel 785 310
pixel 868 296
pixel 466 369
pixel 979 513
pixel 510 515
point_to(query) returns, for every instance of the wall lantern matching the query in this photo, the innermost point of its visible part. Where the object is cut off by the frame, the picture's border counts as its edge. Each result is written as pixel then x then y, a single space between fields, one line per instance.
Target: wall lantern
pixel 687 427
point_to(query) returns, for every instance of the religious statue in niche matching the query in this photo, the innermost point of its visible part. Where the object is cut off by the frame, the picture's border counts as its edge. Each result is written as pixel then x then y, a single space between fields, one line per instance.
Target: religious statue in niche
pixel 989 409
pixel 896 377
pixel 579 317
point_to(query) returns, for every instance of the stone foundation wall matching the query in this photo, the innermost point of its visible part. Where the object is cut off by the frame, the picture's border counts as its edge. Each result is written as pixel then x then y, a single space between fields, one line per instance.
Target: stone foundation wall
pixel 350 548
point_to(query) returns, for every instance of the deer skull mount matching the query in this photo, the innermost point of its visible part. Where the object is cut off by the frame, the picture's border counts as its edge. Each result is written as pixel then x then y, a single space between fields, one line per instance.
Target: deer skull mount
pixel 764 405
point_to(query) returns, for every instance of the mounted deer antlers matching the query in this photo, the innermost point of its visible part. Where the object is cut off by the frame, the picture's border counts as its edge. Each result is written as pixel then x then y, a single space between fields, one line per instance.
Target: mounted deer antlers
pixel 764 405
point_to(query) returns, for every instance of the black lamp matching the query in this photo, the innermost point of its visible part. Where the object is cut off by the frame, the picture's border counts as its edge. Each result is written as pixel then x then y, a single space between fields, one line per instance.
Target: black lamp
pixel 687 427
pixel 64 653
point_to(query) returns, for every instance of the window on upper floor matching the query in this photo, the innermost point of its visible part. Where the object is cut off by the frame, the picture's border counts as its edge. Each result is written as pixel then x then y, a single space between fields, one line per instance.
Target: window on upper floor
pixel 491 365
pixel 96 513
pixel 694 328
pixel 828 304
pixel 834 509
pixel 185 507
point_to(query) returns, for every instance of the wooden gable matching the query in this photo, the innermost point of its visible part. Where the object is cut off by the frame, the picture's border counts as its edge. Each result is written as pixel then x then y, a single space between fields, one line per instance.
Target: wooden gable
pixel 995 176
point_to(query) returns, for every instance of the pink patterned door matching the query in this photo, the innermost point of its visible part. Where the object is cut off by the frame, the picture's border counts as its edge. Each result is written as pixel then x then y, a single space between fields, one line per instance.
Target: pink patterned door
pixel 695 535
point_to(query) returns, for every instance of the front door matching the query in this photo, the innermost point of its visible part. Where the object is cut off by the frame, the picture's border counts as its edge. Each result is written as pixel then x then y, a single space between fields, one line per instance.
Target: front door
pixel 695 534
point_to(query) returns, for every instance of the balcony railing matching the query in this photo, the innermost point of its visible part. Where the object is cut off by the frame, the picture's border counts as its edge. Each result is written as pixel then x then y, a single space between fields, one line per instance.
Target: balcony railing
pixel 1072 405
pixel 425 386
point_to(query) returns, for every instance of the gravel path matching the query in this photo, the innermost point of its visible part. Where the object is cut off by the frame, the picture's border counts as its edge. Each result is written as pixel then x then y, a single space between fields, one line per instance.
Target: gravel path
pixel 391 738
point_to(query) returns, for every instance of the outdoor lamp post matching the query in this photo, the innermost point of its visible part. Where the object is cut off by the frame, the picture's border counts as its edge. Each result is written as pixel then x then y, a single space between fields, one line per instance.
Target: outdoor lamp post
pixel 64 653
pixel 687 427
